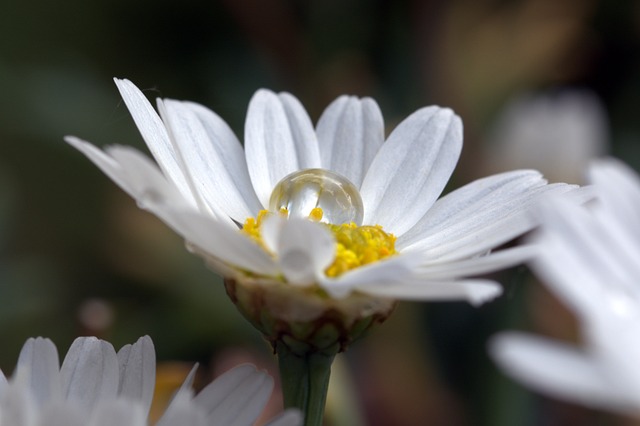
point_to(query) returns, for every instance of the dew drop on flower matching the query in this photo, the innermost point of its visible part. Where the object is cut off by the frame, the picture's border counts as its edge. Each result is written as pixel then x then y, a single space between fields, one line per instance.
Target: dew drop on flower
pixel 302 191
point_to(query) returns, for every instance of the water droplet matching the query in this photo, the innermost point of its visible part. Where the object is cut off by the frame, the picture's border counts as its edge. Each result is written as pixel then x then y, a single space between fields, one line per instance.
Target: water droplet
pixel 302 191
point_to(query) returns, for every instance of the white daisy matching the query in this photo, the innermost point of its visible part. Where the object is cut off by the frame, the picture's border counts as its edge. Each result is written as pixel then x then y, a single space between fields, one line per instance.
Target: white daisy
pixel 589 259
pixel 391 237
pixel 96 387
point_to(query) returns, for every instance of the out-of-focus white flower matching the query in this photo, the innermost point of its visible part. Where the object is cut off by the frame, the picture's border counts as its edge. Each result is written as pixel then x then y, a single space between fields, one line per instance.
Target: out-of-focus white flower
pixel 557 134
pixel 97 387
pixel 590 258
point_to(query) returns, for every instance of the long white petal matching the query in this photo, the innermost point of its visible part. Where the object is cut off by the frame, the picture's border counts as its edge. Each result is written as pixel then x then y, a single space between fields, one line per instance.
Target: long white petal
pixel 279 140
pixel 475 291
pixel 482 230
pixel 89 372
pixel 108 165
pixel 155 135
pixel 183 411
pixel 228 147
pixel 219 241
pixel 350 133
pixel 555 369
pixel 237 397
pixel 411 169
pixel 137 364
pixel 468 200
pixel 214 157
pixel 479 265
pixel 39 364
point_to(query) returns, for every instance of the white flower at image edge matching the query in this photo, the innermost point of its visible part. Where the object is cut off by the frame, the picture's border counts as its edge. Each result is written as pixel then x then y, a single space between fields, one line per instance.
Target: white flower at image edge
pixel 205 185
pixel 589 257
pixel 97 387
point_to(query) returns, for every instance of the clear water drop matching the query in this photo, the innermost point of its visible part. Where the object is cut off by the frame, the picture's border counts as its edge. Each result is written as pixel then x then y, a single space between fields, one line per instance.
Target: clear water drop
pixel 302 191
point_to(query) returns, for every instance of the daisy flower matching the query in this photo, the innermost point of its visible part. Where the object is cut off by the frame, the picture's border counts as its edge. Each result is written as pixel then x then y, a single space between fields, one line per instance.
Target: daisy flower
pixel 96 387
pixel 588 256
pixel 383 231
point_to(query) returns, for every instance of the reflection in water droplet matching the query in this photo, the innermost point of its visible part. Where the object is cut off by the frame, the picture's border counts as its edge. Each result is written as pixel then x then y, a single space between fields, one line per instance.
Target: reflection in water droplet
pixel 302 191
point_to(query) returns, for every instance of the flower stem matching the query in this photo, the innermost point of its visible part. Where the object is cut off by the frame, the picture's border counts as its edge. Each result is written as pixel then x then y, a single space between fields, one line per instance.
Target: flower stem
pixel 305 381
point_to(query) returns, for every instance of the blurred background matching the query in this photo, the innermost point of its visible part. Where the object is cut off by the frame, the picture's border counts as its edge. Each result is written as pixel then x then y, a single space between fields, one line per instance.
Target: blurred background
pixel 544 84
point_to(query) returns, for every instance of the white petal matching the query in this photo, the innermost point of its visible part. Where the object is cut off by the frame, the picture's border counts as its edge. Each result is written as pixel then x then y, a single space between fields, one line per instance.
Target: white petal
pixel 137 364
pixel 475 292
pixel 468 200
pixel 62 414
pixel 183 411
pixel 279 140
pixel 555 369
pixel 479 265
pixel 3 383
pixel 17 408
pixel 237 397
pixel 39 364
pixel 304 249
pixel 579 253
pixel 154 193
pixel 155 135
pixel 411 169
pixel 478 231
pixel 619 188
pixel 134 172
pixel 216 165
pixel 118 412
pixel 219 241
pixel 108 165
pixel 144 179
pixel 350 133
pixel 390 271
pixel 89 372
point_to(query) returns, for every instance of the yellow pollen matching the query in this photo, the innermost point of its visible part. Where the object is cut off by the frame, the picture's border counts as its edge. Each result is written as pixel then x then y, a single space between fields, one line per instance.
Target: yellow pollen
pixel 316 214
pixel 355 245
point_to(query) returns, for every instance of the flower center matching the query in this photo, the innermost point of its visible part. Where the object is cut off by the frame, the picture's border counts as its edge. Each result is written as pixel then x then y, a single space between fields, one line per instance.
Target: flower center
pixel 303 191
pixel 355 245
pixel 324 196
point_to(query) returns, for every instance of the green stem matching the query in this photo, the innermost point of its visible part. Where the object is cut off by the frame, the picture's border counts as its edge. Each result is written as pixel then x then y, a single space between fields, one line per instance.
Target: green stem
pixel 305 381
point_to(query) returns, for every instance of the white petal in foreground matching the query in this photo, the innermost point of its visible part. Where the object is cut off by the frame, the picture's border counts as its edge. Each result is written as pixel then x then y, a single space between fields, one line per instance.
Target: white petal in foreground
pixel 411 169
pixel 89 372
pixel 39 364
pixel 237 397
pixel 279 140
pixel 137 364
pixel 350 133
pixel 558 370
pixel 118 412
